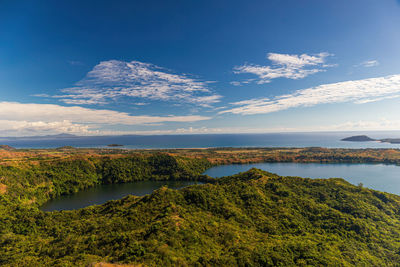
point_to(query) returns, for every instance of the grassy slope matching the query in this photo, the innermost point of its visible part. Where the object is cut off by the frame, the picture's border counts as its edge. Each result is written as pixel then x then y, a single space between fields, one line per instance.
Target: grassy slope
pixel 255 218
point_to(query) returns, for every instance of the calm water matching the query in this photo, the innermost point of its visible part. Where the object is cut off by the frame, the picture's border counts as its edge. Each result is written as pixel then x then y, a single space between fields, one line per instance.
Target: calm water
pixel 331 140
pixel 103 193
pixel 376 176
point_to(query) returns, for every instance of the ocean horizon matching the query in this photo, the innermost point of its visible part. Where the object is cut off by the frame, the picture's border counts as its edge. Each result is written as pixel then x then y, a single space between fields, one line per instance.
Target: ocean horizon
pixel 311 139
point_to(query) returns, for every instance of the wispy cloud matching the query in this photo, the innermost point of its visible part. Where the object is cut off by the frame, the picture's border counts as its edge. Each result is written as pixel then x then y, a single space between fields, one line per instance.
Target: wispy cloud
pixel 376 125
pixel 358 91
pixel 20 118
pixel 285 66
pixel 368 63
pixel 114 79
pixel 75 63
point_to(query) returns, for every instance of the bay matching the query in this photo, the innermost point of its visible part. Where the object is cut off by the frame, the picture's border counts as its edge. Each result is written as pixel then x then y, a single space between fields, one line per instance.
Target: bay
pixel 380 177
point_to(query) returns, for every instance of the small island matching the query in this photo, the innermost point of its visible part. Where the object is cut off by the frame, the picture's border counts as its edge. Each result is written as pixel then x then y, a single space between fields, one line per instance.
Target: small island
pixel 358 138
pixel 114 145
pixel 364 138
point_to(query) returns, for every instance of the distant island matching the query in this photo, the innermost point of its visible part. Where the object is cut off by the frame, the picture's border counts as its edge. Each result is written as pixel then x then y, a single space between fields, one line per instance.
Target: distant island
pixel 114 145
pixel 42 137
pixel 358 138
pixel 364 138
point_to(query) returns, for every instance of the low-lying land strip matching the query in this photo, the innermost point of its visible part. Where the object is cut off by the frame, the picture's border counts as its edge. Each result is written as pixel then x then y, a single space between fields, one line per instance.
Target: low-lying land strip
pixel 213 155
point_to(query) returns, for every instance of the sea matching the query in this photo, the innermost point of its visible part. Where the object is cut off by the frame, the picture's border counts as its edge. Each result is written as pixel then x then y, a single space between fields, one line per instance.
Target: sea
pixel 315 139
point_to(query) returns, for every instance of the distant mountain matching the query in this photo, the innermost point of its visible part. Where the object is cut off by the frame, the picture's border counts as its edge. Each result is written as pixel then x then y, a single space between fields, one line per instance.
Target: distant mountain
pixel 54 136
pixel 358 138
pixel 61 135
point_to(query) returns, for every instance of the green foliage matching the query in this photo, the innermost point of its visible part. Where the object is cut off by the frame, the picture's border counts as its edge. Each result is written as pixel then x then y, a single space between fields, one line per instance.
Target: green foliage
pixel 51 178
pixel 250 219
pixel 155 167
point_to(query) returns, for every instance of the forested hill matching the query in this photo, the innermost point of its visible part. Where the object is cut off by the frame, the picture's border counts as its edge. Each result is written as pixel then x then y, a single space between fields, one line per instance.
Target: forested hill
pixel 36 181
pixel 251 219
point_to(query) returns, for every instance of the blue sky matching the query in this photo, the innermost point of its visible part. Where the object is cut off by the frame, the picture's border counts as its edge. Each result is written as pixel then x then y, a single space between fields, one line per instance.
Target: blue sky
pixel 165 67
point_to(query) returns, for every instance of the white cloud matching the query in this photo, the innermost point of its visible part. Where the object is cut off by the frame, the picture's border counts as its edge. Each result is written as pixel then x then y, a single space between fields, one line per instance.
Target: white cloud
pixel 236 83
pixel 382 124
pixel 13 127
pixel 113 79
pixel 296 60
pixel 368 63
pixel 22 118
pixel 360 125
pixel 359 92
pixel 49 112
pixel 189 130
pixel 285 66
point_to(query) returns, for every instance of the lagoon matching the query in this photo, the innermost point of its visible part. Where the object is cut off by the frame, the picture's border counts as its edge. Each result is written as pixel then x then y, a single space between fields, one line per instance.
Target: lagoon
pixel 375 176
pixel 102 193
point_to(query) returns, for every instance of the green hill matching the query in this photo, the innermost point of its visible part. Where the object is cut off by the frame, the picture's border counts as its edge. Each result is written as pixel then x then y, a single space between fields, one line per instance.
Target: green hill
pixel 251 219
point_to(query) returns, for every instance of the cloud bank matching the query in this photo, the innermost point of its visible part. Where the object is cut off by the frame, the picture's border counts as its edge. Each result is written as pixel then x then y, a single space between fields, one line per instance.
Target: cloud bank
pixel 113 79
pixel 285 66
pixel 25 119
pixel 358 91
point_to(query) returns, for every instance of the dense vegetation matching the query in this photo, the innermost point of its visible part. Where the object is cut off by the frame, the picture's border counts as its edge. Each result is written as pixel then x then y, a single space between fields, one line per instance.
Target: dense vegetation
pixel 37 182
pixel 254 218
